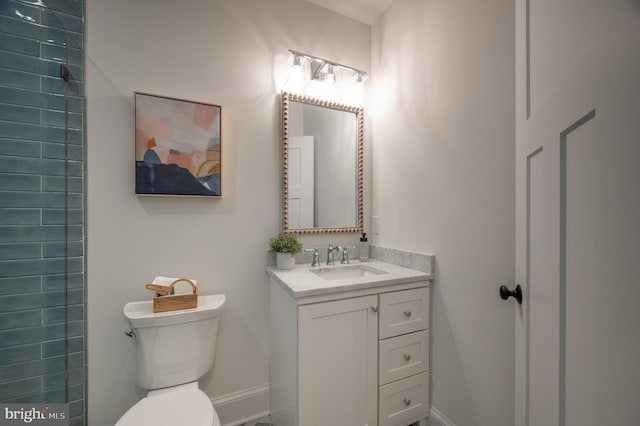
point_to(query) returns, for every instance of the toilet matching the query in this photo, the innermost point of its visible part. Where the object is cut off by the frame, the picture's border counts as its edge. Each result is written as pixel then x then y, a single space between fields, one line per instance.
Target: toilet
pixel 173 350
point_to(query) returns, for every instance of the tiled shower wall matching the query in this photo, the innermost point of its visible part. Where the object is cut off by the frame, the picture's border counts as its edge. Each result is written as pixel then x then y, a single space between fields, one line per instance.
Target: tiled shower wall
pixel 42 300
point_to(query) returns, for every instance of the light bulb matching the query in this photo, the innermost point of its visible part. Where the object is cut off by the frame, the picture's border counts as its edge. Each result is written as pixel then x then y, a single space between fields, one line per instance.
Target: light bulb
pixel 330 77
pixel 295 81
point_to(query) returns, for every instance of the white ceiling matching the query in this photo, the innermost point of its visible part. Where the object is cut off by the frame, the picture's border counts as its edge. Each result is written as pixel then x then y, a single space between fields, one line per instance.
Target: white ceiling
pixel 366 11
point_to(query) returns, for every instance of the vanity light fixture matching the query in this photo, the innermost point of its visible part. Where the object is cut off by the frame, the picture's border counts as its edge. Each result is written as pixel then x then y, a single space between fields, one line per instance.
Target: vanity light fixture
pixel 356 88
pixel 296 81
pixel 330 76
pixel 297 61
pixel 329 87
pixel 318 77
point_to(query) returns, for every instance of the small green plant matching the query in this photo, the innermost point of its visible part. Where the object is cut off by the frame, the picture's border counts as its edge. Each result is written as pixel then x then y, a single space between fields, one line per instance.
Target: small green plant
pixel 285 243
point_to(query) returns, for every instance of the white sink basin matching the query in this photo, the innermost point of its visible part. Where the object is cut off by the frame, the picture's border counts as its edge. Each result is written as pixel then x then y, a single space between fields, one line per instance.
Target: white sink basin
pixel 351 271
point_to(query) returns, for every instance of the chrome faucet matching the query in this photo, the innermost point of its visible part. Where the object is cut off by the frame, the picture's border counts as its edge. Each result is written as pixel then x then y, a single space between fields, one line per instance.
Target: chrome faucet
pixel 330 251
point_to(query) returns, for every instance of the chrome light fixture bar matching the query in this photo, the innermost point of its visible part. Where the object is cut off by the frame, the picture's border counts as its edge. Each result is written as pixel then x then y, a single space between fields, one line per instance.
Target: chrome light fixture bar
pixel 324 79
pixel 324 65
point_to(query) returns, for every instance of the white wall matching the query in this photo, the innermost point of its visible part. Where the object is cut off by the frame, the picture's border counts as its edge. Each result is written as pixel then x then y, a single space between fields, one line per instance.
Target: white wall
pixel 222 52
pixel 443 183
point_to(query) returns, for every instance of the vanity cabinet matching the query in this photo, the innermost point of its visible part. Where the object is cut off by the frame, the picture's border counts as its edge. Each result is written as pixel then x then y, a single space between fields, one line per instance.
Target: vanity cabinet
pixel 354 358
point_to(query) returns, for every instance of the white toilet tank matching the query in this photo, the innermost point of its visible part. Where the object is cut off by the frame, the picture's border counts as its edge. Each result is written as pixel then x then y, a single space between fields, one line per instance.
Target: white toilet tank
pixel 174 347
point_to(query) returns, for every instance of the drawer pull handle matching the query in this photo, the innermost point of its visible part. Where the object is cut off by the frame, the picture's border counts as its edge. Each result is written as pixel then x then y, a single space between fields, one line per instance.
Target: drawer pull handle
pixel 407 402
pixel 407 314
pixel 374 308
pixel 407 357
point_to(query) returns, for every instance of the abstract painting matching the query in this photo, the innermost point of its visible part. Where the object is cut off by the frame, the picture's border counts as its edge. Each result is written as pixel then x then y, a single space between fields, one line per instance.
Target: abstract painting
pixel 177 147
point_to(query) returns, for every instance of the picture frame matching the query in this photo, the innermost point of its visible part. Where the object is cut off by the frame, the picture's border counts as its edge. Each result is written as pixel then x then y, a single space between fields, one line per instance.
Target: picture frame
pixel 177 147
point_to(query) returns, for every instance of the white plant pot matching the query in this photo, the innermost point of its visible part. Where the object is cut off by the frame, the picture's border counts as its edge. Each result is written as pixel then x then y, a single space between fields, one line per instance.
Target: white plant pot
pixel 285 261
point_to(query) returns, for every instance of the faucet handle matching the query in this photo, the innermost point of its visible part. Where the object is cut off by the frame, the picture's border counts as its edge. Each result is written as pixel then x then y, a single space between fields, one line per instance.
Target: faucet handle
pixel 316 257
pixel 345 254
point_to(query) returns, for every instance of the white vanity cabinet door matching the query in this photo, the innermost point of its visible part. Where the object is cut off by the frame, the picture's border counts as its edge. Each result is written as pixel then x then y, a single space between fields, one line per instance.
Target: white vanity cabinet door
pixel 338 363
pixel 404 312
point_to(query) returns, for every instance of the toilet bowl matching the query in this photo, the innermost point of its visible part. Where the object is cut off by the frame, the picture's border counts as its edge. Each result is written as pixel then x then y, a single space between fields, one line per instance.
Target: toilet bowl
pixel 173 350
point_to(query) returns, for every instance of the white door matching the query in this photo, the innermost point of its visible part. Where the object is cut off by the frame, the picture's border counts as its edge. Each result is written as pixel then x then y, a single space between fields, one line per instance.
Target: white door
pixel 338 363
pixel 578 212
pixel 301 182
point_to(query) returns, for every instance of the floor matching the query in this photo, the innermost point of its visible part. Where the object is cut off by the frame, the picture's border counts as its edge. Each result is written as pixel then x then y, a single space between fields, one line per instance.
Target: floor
pixel 266 421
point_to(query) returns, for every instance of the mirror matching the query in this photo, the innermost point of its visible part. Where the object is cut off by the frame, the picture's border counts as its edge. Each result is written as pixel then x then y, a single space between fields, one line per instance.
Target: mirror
pixel 322 152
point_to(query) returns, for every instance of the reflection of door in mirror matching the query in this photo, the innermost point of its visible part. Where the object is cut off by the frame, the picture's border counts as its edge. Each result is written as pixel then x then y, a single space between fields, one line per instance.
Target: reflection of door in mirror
pixel 301 187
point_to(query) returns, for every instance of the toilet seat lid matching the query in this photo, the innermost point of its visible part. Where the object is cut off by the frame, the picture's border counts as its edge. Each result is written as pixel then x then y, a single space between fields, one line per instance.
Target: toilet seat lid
pixel 188 407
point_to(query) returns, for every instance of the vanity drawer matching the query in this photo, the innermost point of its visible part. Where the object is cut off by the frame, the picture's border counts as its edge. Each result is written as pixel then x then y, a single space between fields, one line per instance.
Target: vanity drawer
pixel 404 400
pixel 403 312
pixel 404 356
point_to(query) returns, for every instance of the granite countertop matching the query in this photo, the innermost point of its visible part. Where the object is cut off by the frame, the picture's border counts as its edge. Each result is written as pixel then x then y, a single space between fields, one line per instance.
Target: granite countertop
pixel 302 282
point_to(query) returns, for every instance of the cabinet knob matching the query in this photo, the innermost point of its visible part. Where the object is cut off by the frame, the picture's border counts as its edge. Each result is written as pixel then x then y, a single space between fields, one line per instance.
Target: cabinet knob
pixel 407 402
pixel 374 308
pixel 407 357
pixel 407 314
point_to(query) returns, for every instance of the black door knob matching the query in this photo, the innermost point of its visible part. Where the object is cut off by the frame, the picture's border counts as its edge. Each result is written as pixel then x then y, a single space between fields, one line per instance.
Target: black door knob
pixel 516 293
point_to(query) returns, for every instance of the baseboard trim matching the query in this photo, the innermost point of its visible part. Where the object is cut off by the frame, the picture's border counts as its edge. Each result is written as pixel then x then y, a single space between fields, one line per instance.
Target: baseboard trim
pixel 436 418
pixel 240 407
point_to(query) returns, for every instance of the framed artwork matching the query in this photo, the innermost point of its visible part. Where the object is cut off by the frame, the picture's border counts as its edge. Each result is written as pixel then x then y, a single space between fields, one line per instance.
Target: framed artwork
pixel 177 147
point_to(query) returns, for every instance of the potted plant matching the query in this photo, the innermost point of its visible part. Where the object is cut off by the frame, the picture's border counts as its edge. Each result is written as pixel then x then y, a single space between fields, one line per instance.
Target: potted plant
pixel 286 246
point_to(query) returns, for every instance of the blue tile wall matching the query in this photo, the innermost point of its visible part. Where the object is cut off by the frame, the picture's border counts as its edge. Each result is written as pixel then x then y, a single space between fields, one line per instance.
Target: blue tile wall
pixel 17 148
pixel 42 225
pixel 20 285
pixel 11 182
pixel 15 357
pixel 20 319
pixel 23 80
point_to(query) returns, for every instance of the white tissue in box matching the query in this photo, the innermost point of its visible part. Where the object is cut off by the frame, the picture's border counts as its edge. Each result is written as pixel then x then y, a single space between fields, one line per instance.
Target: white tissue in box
pixel 182 287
